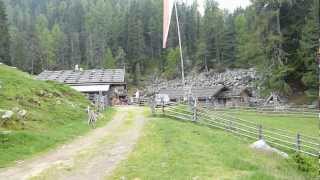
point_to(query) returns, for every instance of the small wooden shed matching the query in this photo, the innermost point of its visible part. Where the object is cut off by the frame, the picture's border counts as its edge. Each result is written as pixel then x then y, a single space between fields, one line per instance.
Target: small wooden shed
pixel 232 97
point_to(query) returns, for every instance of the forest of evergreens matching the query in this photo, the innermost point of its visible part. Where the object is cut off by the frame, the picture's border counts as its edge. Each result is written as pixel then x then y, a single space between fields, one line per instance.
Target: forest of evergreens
pixel 277 37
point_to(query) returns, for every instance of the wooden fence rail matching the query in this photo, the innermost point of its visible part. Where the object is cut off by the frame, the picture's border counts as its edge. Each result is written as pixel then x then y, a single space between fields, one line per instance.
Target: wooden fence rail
pixel 298 112
pixel 266 108
pixel 283 139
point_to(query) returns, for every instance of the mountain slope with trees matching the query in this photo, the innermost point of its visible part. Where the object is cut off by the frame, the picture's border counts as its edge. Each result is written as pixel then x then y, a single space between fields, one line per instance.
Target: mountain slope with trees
pixel 279 38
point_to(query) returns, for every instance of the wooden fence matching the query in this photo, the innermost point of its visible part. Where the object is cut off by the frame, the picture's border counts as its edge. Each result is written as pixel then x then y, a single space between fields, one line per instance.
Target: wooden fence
pixel 282 139
pixel 140 101
pixel 270 111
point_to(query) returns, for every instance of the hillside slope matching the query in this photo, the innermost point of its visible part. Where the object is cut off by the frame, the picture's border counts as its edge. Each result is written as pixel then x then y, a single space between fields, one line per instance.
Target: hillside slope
pixel 46 103
pixel 54 113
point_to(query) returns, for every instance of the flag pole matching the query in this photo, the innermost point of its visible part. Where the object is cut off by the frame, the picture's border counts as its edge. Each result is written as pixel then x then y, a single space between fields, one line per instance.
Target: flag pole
pixel 318 61
pixel 180 46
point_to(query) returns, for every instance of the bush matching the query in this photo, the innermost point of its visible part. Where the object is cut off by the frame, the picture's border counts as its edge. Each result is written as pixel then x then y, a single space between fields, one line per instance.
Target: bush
pixel 307 165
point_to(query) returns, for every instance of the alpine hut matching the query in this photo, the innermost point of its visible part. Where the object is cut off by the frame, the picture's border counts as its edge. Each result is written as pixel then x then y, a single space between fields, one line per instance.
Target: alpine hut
pixel 109 83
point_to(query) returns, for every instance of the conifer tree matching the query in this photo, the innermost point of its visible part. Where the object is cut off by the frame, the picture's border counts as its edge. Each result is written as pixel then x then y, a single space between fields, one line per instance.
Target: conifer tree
pixel 4 36
pixel 308 47
pixel 109 60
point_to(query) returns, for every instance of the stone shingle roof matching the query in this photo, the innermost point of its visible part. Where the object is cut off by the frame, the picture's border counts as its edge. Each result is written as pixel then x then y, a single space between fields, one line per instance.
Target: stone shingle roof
pixel 95 76
pixel 207 92
pixel 176 93
pixel 173 93
pixel 235 92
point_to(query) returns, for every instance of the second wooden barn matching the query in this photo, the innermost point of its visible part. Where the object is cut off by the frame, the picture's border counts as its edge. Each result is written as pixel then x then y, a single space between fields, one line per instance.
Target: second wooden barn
pixel 218 95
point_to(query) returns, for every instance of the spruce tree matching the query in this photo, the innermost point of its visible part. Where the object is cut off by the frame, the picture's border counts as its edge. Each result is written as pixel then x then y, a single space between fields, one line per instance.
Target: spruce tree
pixel 4 36
pixel 309 45
pixel 109 60
pixel 229 42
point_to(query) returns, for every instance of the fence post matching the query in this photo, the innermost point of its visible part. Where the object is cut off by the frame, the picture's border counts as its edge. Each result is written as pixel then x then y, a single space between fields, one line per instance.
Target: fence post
pixel 153 105
pixel 190 104
pixel 100 105
pixel 260 132
pixel 162 103
pixel 195 110
pixel 298 142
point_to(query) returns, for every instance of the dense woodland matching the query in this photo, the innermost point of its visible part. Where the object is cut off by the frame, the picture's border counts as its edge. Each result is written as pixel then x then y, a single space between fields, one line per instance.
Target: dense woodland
pixel 278 37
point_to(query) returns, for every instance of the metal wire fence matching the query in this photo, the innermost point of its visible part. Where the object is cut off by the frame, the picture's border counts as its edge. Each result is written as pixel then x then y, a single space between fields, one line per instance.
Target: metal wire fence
pixel 269 111
pixel 280 138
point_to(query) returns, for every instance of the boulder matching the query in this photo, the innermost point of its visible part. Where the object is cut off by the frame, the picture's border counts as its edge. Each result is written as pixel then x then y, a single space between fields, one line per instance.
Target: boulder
pixel 22 113
pixel 35 101
pixel 7 115
pixel 58 102
pixel 41 93
pixel 15 109
pixel 262 145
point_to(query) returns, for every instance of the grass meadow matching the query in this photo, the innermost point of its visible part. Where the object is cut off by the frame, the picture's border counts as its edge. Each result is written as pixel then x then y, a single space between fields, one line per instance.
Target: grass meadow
pixel 306 125
pixel 172 149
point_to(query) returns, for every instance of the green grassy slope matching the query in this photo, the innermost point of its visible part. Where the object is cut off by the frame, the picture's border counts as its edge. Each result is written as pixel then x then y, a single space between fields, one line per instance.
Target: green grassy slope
pixel 172 149
pixel 55 114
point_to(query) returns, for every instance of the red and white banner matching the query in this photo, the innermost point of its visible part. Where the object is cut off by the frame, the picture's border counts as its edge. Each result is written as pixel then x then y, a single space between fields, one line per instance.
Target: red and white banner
pixel 167 12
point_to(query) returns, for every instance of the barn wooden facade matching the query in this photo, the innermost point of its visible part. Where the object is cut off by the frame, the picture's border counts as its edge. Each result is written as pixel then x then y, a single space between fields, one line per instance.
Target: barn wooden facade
pixel 217 95
pixel 107 83
pixel 202 94
pixel 232 97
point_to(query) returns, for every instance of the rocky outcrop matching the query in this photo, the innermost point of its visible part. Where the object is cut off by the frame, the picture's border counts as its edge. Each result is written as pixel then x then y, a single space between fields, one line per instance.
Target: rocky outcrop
pixel 16 114
pixel 22 113
pixel 233 79
pixel 7 115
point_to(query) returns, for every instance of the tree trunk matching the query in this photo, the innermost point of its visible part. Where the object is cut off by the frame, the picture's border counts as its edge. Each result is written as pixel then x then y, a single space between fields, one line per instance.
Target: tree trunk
pixel 279 46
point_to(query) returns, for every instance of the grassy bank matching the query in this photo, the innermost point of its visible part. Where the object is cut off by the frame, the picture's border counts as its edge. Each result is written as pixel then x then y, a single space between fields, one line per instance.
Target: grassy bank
pixel 173 149
pixel 55 114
